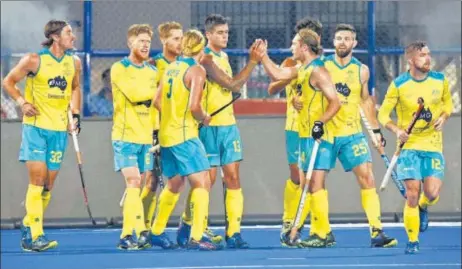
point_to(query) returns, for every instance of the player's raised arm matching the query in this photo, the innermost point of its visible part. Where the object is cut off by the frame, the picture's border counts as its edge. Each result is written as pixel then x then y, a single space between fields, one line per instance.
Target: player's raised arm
pixel 321 80
pixel 275 72
pixel 235 83
pixel 29 64
pixel 278 86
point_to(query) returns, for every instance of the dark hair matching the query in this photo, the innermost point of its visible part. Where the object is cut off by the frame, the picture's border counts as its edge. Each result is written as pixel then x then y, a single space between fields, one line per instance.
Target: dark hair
pixel 53 27
pixel 105 73
pixel 345 27
pixel 309 23
pixel 213 20
pixel 415 46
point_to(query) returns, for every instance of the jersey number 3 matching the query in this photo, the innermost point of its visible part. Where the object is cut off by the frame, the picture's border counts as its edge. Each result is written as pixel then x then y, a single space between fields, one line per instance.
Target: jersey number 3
pixel 170 83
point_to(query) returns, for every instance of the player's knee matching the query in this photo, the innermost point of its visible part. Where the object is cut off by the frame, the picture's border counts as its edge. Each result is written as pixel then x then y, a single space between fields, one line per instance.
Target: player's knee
pixel 232 181
pixel 133 182
pixel 412 197
pixel 367 181
pixel 175 185
pixel 294 174
pixel 431 194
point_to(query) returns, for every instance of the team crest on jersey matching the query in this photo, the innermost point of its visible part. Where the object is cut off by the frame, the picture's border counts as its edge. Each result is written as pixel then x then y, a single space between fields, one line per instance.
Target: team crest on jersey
pixel 59 82
pixel 426 115
pixel 343 89
pixel 350 76
pixel 67 69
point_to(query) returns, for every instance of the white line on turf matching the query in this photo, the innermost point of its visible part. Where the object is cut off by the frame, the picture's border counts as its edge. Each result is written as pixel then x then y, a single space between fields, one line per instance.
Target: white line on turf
pixel 269 227
pixel 444 265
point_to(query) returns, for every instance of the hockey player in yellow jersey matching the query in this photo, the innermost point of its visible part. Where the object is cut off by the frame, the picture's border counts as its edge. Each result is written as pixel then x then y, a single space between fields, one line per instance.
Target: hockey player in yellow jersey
pixel 351 79
pixel 221 139
pixel 52 84
pixel 421 161
pixel 179 102
pixel 314 123
pixel 134 84
pixel 170 34
pixel 292 189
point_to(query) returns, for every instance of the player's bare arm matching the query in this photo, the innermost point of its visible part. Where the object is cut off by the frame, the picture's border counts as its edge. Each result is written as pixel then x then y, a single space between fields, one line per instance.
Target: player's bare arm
pixel 28 64
pixel 76 97
pixel 278 86
pixel 321 80
pixel 158 98
pixel 235 83
pixel 196 79
pixel 277 73
pixel 447 108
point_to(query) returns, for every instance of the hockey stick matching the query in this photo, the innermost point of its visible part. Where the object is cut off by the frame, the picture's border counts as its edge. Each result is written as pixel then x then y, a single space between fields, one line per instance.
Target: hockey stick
pixel 386 178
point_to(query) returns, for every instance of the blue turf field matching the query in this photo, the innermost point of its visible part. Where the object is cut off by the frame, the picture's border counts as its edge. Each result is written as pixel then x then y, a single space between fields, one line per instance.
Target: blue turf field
pixel 95 249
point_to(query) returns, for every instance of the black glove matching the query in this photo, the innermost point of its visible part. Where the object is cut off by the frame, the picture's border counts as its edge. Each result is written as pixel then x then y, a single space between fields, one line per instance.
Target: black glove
pixel 318 130
pixel 382 141
pixel 155 137
pixel 77 125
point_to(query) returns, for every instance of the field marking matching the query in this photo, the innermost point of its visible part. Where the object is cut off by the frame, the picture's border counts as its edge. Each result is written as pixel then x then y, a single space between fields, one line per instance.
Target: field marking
pixel 306 266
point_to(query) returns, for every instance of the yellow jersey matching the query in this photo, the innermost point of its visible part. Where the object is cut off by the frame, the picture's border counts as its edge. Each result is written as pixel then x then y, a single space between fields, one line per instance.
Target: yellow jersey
pixel 161 64
pixel 215 96
pixel 347 80
pixel 314 103
pixel 50 91
pixel 133 89
pixel 292 113
pixel 402 97
pixel 178 124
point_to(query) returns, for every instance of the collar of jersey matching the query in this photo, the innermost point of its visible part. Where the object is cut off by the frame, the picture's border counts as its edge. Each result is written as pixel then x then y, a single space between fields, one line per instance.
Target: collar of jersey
pixel 134 65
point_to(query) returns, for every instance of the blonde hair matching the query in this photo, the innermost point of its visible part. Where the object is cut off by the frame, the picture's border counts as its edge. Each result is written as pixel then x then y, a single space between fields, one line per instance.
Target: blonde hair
pixel 193 42
pixel 310 38
pixel 165 28
pixel 136 29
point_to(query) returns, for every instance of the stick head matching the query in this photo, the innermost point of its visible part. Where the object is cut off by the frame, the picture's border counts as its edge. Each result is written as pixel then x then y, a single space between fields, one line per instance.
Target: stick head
pixel 420 101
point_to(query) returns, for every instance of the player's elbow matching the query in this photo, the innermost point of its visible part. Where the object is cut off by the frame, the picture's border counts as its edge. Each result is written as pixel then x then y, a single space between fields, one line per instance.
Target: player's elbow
pixel 195 108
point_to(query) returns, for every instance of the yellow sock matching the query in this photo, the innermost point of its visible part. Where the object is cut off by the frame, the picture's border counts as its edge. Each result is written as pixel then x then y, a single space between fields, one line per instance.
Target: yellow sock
pixel 167 202
pixel 290 201
pixel 131 211
pixel 145 192
pixel 320 209
pixel 313 223
pixel 371 205
pixel 306 209
pixel 424 202
pixel 327 224
pixel 34 209
pixel 200 208
pixel 46 197
pixel 412 222
pixel 234 209
pixel 186 216
pixel 149 206
pixel 140 225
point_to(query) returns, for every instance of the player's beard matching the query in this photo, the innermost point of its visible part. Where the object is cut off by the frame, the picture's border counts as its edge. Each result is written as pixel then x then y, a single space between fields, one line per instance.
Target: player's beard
pixel 140 55
pixel 343 53
pixel 425 68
